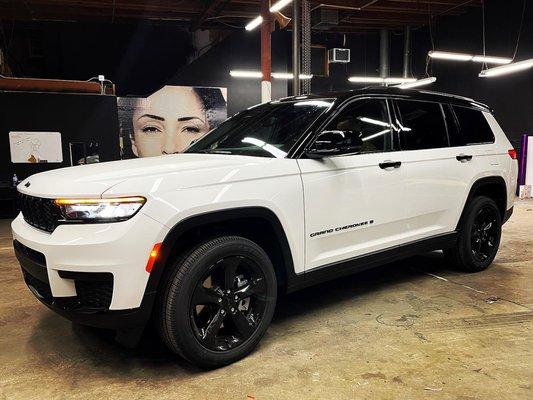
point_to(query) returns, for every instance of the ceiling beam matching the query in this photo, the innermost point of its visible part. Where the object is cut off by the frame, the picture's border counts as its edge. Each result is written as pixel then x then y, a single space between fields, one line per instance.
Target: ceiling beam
pixel 196 14
pixel 211 10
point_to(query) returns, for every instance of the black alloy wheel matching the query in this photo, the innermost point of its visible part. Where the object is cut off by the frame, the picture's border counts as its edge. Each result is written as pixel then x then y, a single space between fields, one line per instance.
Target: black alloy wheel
pixel 228 303
pixel 478 238
pixel 484 233
pixel 217 302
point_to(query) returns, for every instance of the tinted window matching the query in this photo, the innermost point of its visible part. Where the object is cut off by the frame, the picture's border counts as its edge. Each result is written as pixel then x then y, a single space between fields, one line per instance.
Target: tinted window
pixel 421 126
pixel 473 125
pixel 365 124
pixel 268 130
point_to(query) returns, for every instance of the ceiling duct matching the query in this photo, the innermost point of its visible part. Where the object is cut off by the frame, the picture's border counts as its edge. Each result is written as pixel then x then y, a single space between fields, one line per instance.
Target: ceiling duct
pixel 324 18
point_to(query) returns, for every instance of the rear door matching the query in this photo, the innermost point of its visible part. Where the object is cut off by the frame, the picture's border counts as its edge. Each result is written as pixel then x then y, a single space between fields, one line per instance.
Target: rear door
pixel 436 175
pixel 471 134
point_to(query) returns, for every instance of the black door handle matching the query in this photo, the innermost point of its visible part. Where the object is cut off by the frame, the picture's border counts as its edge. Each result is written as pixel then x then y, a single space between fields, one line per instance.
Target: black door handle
pixel 390 164
pixel 463 157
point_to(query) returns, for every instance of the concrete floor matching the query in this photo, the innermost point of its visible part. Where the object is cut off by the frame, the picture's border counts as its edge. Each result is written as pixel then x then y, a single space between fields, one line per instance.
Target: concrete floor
pixel 409 330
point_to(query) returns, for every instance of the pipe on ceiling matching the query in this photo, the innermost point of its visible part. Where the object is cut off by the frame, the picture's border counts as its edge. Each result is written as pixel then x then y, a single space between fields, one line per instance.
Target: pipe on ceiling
pixel 339 7
pixel 407 52
pixel 384 65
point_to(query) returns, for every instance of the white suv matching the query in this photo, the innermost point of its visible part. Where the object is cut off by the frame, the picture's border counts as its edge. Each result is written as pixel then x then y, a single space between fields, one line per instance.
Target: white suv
pixel 281 196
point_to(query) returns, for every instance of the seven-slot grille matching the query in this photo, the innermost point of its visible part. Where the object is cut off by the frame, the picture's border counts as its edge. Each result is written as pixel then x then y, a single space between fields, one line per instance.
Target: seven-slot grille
pixel 39 212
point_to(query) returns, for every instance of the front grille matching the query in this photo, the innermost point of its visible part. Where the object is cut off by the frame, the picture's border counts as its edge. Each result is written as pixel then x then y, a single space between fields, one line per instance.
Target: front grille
pixel 95 294
pixel 39 212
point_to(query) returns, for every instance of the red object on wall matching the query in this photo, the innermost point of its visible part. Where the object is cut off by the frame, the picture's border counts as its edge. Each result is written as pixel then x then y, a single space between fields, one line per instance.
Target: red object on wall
pixel 54 85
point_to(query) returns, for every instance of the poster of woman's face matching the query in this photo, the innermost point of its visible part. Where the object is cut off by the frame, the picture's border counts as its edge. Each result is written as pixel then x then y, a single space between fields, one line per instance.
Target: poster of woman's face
pixel 169 120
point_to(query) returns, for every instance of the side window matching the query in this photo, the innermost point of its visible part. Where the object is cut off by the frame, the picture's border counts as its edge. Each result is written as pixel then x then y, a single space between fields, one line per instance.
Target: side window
pixel 366 124
pixel 474 127
pixel 422 125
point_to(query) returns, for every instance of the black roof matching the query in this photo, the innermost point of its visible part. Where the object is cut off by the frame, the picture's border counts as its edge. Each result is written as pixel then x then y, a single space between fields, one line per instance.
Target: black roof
pixel 413 94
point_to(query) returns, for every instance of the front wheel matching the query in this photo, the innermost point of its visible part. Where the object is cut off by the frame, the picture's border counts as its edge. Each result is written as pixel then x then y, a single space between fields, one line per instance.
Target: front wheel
pixel 218 302
pixel 479 236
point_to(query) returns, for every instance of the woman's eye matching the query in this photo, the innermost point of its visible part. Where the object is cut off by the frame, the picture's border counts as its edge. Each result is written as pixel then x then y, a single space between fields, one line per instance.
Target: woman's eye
pixel 191 129
pixel 151 129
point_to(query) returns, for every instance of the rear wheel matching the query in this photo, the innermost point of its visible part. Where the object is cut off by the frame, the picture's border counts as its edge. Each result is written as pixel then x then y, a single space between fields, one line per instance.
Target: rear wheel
pixel 479 236
pixel 218 302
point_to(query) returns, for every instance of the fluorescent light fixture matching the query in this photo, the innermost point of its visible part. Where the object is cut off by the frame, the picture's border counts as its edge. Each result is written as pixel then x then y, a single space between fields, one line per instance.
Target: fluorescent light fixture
pixel 281 75
pixel 507 69
pixel 418 82
pixel 254 23
pixel 492 60
pixel 365 79
pixel 288 75
pixel 377 79
pixel 246 74
pixel 446 55
pixel 258 74
pixel 259 19
pixel 279 5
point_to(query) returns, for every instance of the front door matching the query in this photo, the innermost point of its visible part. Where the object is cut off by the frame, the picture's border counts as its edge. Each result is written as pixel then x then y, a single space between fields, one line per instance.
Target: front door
pixel 353 201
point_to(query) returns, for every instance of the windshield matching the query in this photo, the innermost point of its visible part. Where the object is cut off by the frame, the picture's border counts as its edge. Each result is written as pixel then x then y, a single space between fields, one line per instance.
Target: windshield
pixel 268 130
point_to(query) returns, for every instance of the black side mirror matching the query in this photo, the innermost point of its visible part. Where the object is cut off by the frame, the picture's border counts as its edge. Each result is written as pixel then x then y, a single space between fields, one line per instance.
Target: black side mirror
pixel 334 142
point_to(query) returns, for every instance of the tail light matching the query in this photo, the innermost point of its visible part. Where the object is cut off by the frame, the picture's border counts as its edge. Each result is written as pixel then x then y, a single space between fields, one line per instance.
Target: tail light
pixel 513 154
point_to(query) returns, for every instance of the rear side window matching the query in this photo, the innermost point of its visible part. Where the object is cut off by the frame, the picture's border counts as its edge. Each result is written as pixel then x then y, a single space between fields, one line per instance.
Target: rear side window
pixel 473 126
pixel 422 125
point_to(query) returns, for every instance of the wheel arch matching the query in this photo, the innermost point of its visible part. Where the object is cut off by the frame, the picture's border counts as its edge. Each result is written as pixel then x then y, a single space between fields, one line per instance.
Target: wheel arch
pixel 493 187
pixel 258 224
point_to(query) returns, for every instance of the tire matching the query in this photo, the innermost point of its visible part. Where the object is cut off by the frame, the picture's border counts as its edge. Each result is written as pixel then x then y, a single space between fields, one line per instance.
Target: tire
pixel 479 236
pixel 204 323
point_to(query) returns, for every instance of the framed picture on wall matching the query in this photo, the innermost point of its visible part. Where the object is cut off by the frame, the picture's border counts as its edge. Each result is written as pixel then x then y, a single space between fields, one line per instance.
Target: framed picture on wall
pixel 35 147
pixel 169 120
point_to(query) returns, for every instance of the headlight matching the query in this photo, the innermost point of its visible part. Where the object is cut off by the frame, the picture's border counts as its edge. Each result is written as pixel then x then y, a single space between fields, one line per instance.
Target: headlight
pixel 100 210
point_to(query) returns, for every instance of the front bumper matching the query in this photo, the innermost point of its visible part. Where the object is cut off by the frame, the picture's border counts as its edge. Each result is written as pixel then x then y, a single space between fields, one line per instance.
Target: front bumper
pixel 82 309
pixel 93 274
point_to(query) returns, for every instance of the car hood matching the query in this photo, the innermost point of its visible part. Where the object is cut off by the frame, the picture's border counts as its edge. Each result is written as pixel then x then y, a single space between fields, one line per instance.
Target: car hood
pixel 183 170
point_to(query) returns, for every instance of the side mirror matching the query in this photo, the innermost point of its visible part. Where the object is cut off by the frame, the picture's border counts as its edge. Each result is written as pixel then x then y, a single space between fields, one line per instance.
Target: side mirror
pixel 334 142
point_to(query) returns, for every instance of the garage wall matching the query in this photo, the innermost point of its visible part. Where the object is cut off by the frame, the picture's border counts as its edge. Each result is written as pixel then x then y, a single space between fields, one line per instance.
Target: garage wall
pixel 241 50
pixel 83 118
pixel 138 58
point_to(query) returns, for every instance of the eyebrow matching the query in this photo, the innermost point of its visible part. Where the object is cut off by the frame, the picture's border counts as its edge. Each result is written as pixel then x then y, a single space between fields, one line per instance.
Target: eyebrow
pixel 157 117
pixel 188 119
pixel 152 116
